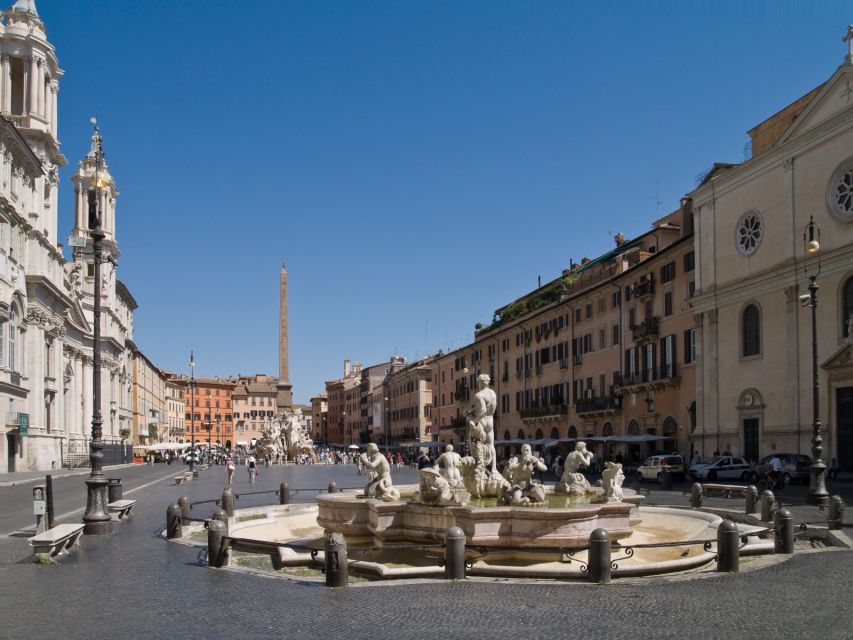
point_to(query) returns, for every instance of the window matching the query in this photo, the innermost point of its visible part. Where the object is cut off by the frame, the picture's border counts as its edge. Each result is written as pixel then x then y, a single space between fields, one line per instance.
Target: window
pixel 689 262
pixel 667 272
pixel 632 317
pixel 667 303
pixel 649 362
pixel 691 288
pixel 602 305
pixel 751 331
pixel 13 329
pixel 589 310
pixel 847 308
pixel 602 338
pixel 667 357
pixel 616 299
pixel 839 192
pixel 748 232
pixel 577 315
pixel 631 362
pixel 689 346
pixel 615 330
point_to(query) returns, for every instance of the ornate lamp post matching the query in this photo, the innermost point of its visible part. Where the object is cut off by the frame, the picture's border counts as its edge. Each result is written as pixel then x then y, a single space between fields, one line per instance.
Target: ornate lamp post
pixel 96 519
pixel 811 244
pixel 192 414
pixel 387 420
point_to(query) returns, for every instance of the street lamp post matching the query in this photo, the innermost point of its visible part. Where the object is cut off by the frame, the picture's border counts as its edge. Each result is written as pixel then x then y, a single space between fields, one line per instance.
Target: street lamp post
pixel 387 420
pixel 96 519
pixel 811 241
pixel 192 414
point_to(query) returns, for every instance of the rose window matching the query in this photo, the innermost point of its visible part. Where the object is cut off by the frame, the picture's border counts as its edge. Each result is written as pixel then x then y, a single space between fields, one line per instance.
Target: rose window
pixel 748 233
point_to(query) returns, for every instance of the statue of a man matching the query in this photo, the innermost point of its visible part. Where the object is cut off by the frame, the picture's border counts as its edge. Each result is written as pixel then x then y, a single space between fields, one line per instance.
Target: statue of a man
pixel 379 475
pixel 481 422
pixel 521 467
pixel 451 461
pixel 572 480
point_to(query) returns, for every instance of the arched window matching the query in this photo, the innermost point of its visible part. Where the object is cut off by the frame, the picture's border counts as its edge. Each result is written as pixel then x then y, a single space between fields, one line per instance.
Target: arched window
pixel 670 427
pixel 751 331
pixel 521 434
pixel 12 333
pixel 555 433
pixel 607 430
pixel 507 436
pixel 633 428
pixel 539 434
pixel 847 306
pixel 573 431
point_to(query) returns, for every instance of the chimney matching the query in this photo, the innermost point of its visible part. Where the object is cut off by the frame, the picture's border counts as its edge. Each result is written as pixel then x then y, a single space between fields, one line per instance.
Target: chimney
pixel 687 216
pixel 620 239
pixel 346 368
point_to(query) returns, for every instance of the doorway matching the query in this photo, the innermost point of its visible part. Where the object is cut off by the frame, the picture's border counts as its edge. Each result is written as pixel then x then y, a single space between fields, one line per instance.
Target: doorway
pixel 844 412
pixel 750 439
pixel 11 441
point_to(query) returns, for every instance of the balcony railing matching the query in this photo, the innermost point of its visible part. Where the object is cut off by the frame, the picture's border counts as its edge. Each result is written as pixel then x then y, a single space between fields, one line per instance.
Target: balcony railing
pixel 544 412
pixel 605 404
pixel 648 328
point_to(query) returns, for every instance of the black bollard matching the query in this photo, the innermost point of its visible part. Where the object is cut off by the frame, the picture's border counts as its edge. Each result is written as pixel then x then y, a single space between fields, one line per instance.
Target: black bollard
pixel 284 494
pixel 599 557
pixel 173 521
pixel 48 494
pixel 751 499
pixel 783 538
pixel 336 565
pixel 767 500
pixel 333 488
pixel 836 512
pixel 454 554
pixel 728 547
pixel 666 480
pixel 221 515
pixel 228 501
pixel 114 491
pixel 216 552
pixel 185 510
pixel 696 495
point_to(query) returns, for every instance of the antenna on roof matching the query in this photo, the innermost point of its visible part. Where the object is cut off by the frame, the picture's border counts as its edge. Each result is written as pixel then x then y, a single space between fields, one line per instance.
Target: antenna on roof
pixel 658 201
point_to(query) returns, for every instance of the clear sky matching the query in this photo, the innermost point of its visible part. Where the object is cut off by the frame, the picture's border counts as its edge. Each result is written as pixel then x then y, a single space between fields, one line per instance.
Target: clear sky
pixel 417 164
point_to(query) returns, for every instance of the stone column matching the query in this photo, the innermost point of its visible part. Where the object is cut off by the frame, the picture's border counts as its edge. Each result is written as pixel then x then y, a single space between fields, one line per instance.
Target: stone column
pixel 5 83
pixel 54 89
pixel 32 79
pixel 40 87
pixel 81 219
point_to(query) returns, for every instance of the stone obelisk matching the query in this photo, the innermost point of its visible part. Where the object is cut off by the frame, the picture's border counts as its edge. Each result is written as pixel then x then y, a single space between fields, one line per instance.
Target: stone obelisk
pixel 284 393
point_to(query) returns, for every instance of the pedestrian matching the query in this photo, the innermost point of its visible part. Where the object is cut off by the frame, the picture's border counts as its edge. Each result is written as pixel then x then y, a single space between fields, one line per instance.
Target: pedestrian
pixel 229 470
pixel 250 465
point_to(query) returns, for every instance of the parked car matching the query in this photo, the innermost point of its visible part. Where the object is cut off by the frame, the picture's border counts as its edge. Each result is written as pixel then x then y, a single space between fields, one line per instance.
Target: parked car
pixel 654 466
pixel 795 467
pixel 724 468
pixel 191 456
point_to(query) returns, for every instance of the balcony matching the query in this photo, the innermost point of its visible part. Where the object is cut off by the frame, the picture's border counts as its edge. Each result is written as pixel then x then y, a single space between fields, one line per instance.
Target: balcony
pixel 652 377
pixel 544 413
pixel 641 288
pixel 607 405
pixel 647 329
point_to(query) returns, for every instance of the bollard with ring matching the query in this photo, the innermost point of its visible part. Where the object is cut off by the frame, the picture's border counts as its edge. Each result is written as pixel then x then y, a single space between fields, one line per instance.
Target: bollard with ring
pixel 454 554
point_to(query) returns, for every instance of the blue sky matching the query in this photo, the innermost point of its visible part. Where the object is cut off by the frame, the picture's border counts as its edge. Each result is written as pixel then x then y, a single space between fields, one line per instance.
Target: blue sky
pixel 417 164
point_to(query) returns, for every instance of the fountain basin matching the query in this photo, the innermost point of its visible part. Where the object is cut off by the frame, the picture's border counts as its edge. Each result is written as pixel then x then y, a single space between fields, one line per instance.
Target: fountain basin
pixel 362 519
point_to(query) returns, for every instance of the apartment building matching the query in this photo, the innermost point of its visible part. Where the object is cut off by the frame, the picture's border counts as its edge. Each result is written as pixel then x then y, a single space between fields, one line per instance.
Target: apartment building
pixel 254 399
pixel 409 404
pixel 319 418
pixel 209 411
pixel 175 410
pixel 150 422
pixel 344 405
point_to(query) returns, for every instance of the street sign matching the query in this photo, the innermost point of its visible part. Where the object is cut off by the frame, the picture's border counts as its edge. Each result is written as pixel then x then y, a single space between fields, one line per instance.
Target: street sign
pixel 23 424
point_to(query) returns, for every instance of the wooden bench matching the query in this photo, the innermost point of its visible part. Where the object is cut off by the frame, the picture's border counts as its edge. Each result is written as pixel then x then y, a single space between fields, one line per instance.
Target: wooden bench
pixel 56 541
pixel 121 508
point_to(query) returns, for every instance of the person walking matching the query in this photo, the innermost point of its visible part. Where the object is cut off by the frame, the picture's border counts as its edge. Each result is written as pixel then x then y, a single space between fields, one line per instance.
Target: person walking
pixel 250 465
pixel 229 470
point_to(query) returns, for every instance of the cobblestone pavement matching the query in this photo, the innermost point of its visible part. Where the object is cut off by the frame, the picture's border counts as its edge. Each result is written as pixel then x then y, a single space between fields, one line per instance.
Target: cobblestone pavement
pixel 133 584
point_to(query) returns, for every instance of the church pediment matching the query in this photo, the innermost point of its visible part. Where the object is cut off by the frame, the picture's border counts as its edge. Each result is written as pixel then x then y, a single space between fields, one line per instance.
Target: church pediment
pixel 835 97
pixel 840 362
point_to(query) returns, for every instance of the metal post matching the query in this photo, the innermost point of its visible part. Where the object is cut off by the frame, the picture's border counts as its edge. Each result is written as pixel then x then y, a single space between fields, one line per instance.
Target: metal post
pixel 48 490
pixel 283 493
pixel 599 556
pixel 333 488
pixel 173 521
pixel 696 495
pixel 783 539
pixel 836 512
pixel 192 413
pixel 216 554
pixel 219 514
pixel 728 547
pixel 751 496
pixel 817 486
pixel 335 559
pixel 96 519
pixel 767 501
pixel 454 554
pixel 228 502
pixel 666 480
pixel 184 503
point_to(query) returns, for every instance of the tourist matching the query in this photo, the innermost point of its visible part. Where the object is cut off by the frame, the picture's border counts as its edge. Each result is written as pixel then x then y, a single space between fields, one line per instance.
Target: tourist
pixel 250 465
pixel 229 470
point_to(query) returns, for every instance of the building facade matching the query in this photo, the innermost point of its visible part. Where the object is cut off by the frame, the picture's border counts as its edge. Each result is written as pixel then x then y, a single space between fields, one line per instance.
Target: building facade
pixel 150 418
pixel 254 405
pixel 175 410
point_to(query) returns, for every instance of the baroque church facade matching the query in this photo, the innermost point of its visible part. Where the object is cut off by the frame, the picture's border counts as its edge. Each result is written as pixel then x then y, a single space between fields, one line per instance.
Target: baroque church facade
pixel 46 300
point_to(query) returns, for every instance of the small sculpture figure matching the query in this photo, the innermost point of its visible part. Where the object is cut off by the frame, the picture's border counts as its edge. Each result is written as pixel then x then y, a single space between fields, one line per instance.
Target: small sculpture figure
pixel 572 480
pixel 519 473
pixel 451 461
pixel 379 475
pixel 481 424
pixel 611 480
pixel 434 489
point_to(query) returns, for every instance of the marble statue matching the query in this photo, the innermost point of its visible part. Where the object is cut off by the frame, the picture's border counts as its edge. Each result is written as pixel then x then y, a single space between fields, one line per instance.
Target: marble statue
pixel 573 481
pixel 522 488
pixel 378 474
pixel 451 462
pixel 481 424
pixel 434 489
pixel 611 480
pixel 848 38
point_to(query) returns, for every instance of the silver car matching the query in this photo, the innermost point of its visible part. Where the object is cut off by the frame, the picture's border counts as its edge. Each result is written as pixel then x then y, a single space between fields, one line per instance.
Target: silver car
pixel 723 468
